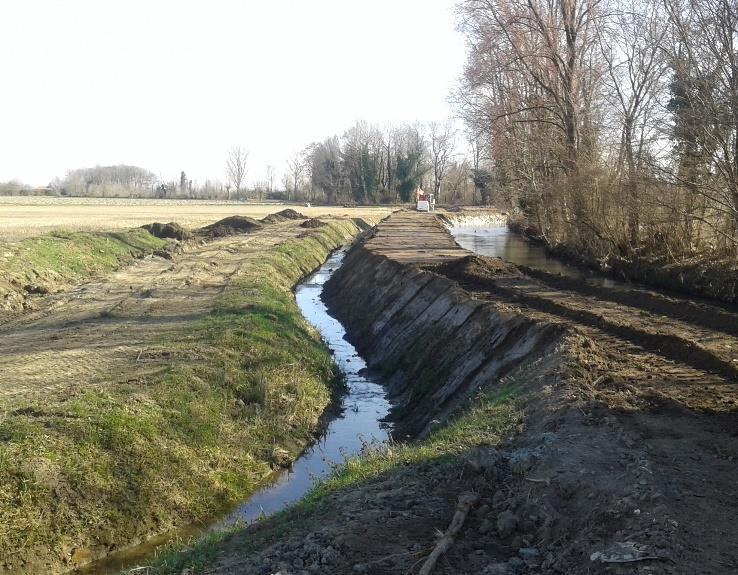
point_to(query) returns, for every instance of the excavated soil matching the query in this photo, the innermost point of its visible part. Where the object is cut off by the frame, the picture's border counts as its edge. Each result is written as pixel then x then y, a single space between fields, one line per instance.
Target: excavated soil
pixel 312 223
pixel 283 216
pixel 624 460
pixel 230 226
pixel 171 230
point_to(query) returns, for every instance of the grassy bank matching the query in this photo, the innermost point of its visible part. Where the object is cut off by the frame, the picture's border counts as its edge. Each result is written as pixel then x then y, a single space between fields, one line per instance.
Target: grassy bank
pixel 486 421
pixel 243 392
pixel 55 261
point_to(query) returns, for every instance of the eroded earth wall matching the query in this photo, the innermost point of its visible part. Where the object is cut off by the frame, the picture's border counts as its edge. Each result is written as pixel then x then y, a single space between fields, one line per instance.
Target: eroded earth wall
pixel 434 345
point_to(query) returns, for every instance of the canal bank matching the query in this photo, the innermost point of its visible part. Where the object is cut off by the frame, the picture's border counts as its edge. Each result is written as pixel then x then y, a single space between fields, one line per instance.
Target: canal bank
pixel 353 421
pixel 591 448
pixel 158 396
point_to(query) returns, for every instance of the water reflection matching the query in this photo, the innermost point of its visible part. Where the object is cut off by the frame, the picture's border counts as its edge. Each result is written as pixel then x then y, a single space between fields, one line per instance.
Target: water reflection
pixel 364 407
pixel 359 421
pixel 499 242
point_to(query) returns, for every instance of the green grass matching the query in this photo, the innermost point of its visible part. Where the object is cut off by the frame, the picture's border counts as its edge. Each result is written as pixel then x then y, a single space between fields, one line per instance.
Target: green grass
pixel 487 420
pixel 111 463
pixel 54 261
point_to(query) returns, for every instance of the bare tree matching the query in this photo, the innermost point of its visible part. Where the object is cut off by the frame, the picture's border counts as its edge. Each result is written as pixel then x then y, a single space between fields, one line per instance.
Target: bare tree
pixel 236 169
pixel 296 167
pixel 270 179
pixel 442 149
pixel 631 42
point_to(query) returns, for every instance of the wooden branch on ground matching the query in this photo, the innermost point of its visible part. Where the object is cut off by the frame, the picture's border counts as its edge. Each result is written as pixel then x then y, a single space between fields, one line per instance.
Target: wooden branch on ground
pixel 466 502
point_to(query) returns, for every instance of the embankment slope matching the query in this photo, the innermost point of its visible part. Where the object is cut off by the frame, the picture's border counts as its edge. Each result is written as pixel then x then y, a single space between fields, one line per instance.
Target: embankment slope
pixel 594 446
pixel 157 395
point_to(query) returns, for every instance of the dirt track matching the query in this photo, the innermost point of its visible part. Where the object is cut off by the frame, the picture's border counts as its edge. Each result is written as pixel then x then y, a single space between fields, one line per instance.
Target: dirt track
pixel 108 331
pixel 660 372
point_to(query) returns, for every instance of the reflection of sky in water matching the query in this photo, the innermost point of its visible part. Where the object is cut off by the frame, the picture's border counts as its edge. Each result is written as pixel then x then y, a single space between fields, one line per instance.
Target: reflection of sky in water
pixel 499 242
pixel 364 406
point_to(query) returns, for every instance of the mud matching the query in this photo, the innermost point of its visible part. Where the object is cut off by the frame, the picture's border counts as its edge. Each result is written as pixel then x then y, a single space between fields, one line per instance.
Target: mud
pixel 626 437
pixel 283 216
pixel 312 223
pixel 700 277
pixel 171 230
pixel 230 226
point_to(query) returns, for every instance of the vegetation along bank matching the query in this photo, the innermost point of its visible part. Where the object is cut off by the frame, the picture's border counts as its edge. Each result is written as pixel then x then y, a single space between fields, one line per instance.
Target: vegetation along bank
pixel 159 395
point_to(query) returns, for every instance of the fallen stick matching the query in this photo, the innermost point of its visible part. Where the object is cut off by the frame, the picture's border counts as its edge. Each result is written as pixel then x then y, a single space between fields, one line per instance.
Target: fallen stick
pixel 466 502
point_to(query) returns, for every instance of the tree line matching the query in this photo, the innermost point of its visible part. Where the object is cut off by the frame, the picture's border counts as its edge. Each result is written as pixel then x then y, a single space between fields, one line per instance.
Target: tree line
pixel 370 164
pixel 609 126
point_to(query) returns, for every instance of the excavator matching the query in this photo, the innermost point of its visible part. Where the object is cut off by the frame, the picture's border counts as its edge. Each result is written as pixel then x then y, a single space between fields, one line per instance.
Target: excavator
pixel 425 202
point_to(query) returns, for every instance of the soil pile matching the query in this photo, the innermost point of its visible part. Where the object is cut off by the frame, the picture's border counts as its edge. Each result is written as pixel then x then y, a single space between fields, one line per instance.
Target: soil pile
pixel 172 230
pixel 475 267
pixel 283 216
pixel 230 226
pixel 313 223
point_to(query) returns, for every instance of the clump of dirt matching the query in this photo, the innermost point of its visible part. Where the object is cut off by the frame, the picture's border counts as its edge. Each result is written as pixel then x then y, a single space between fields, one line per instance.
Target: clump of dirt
pixel 230 226
pixel 171 230
pixel 313 223
pixel 475 267
pixel 283 216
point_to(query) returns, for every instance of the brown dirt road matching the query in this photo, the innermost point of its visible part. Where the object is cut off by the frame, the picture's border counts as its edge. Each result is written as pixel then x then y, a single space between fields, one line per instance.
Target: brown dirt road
pixel 109 330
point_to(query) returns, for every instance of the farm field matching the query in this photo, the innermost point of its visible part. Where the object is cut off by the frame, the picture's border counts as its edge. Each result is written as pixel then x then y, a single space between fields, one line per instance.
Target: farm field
pixel 29 216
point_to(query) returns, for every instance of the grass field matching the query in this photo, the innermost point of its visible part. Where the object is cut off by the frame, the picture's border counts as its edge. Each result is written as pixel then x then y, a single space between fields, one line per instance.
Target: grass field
pixel 30 216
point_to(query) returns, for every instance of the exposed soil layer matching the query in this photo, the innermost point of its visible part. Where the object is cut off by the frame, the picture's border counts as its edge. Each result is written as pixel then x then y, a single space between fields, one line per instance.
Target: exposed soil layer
pixel 283 216
pixel 171 230
pixel 476 266
pixel 230 226
pixel 624 460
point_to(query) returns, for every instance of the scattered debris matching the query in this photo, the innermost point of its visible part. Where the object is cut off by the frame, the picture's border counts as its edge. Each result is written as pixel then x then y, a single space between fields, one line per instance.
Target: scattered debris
pixel 466 502
pixel 625 552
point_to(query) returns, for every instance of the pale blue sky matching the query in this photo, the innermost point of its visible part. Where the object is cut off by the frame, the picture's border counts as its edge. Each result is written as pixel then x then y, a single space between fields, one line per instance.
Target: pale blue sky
pixel 171 85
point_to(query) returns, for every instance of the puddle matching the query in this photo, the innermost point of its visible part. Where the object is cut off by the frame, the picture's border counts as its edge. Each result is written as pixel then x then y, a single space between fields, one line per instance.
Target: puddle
pixel 500 242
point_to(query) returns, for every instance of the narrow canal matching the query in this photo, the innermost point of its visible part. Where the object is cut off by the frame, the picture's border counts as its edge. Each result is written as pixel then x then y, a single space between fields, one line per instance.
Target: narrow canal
pixel 499 242
pixel 358 422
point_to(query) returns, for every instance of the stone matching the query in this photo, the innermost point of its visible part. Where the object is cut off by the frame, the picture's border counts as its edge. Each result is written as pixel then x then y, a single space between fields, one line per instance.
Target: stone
pixel 485 527
pixel 496 569
pixel 507 523
pixel 528 552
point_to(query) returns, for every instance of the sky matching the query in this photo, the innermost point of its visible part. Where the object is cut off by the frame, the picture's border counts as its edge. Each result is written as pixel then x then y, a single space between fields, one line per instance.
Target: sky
pixel 172 85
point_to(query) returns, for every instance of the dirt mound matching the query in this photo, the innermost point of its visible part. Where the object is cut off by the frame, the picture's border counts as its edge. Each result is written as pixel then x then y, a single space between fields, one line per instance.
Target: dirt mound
pixel 171 230
pixel 313 223
pixel 475 267
pixel 230 226
pixel 283 216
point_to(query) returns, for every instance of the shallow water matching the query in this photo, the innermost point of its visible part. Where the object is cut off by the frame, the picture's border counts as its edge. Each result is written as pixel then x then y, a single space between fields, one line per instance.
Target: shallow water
pixel 363 408
pixel 359 422
pixel 500 242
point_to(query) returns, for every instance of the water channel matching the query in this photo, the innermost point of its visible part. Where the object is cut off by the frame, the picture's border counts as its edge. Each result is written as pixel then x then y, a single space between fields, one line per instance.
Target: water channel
pixel 363 406
pixel 498 241
pixel 358 422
